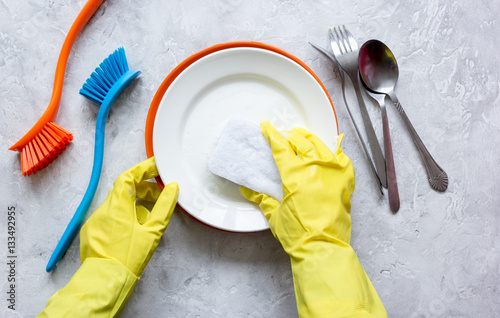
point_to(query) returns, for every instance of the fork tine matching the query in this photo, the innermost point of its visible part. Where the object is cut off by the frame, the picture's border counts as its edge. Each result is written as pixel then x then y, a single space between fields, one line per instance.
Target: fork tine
pixel 340 41
pixel 334 44
pixel 352 41
pixel 344 40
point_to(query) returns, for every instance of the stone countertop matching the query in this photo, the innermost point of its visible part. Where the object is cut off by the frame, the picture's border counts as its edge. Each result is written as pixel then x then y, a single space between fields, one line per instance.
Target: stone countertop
pixel 438 256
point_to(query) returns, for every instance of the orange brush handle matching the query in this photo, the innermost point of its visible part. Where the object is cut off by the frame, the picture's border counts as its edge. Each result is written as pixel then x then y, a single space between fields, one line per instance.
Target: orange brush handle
pixel 51 111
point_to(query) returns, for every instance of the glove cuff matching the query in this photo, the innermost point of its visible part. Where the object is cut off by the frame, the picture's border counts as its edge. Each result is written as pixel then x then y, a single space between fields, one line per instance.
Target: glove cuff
pixel 100 288
pixel 330 281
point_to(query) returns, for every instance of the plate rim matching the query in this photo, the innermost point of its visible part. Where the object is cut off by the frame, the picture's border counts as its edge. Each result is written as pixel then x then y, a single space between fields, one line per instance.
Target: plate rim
pixel 155 103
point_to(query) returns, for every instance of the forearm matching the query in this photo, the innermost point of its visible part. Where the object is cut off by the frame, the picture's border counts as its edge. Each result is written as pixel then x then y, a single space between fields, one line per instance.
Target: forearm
pixel 331 282
pixel 100 288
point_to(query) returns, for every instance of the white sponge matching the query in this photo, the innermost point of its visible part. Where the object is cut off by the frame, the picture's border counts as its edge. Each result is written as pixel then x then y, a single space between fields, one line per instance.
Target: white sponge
pixel 243 156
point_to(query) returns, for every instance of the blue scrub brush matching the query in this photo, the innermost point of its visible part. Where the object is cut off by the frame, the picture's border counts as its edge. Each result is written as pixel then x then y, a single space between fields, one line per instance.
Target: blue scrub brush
pixel 103 87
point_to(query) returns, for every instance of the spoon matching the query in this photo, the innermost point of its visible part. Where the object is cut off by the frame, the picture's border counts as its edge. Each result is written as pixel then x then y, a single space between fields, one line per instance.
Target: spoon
pixel 392 183
pixel 379 71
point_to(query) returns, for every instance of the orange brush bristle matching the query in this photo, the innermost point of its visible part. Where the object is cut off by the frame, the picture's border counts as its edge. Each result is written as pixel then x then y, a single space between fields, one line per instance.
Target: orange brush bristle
pixel 44 148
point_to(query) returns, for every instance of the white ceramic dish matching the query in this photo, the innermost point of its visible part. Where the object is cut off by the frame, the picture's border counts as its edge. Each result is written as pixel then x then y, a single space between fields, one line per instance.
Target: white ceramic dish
pixel 252 83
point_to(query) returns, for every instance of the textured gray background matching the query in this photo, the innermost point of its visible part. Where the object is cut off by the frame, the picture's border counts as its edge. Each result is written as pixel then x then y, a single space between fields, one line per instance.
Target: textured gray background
pixel 438 257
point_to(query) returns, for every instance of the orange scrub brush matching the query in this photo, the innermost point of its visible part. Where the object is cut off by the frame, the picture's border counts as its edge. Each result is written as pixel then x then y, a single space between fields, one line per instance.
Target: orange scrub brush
pixel 46 140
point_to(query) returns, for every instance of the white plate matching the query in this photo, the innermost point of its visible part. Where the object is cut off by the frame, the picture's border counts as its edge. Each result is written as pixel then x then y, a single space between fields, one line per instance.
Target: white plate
pixel 252 83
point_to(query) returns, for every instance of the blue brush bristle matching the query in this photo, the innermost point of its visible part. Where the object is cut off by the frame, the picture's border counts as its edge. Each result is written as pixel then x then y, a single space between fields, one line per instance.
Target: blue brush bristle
pixel 102 79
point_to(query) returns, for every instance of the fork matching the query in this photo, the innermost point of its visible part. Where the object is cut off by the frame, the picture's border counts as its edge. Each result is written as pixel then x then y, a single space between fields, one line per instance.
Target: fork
pixel 345 49
pixel 342 79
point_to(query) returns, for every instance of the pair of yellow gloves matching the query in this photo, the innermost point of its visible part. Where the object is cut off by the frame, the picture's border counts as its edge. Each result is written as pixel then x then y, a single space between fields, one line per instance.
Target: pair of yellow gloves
pixel 312 223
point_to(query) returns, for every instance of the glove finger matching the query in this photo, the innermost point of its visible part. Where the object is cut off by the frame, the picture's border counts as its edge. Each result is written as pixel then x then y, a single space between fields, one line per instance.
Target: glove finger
pixel 141 213
pixel 303 147
pixel 339 147
pixel 149 191
pixel 340 158
pixel 125 185
pixel 268 205
pixel 324 152
pixel 282 152
pixel 142 171
pixel 162 212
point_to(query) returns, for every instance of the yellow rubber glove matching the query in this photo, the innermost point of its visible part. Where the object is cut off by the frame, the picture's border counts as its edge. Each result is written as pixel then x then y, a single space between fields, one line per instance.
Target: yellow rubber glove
pixel 313 225
pixel 116 244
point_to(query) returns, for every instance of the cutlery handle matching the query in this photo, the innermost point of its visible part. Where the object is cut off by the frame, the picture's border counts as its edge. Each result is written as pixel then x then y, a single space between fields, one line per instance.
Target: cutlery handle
pixel 438 179
pixel 378 157
pixel 392 183
pixel 372 166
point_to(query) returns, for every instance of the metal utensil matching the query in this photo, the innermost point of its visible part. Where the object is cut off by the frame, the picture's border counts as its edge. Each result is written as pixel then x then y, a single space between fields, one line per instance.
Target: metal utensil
pixel 345 50
pixel 379 71
pixel 342 79
pixel 389 158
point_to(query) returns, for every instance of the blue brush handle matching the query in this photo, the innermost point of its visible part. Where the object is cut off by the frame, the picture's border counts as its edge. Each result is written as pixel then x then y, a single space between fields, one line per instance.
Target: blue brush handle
pixel 81 211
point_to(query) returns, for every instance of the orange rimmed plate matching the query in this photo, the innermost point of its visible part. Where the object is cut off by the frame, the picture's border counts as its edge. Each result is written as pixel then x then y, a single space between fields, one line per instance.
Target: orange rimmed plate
pixel 237 79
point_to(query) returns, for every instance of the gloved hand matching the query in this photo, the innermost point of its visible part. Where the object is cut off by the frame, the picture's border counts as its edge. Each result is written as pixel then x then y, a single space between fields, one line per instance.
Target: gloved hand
pixel 313 225
pixel 116 244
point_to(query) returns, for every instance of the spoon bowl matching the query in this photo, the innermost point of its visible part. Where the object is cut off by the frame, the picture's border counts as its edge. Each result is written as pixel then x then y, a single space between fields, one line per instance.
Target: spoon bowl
pixel 378 67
